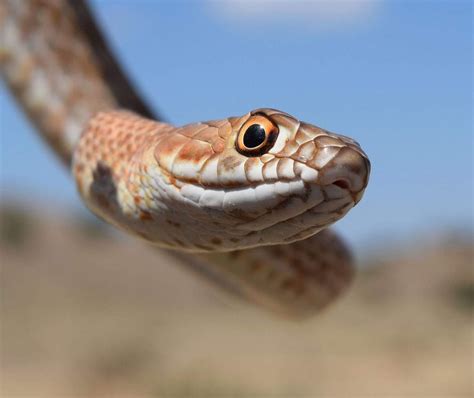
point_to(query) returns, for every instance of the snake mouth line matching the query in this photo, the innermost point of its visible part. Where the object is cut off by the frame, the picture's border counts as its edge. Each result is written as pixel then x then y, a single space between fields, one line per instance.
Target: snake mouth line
pixel 235 187
pixel 293 189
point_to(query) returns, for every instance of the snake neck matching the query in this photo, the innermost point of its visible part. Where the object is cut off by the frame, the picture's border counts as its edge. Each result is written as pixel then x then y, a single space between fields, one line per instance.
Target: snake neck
pixel 58 65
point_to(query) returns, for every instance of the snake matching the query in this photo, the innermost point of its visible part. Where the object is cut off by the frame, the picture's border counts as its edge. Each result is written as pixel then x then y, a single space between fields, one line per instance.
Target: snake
pixel 245 200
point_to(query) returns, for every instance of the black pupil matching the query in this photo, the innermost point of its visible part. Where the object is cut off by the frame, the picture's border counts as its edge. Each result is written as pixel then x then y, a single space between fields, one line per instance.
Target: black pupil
pixel 254 136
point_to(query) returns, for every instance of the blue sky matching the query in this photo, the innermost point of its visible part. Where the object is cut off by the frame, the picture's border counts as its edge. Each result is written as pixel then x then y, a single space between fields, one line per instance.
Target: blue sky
pixel 395 75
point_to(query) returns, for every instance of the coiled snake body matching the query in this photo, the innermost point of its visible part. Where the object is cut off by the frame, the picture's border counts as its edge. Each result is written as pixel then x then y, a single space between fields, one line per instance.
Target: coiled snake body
pixel 248 196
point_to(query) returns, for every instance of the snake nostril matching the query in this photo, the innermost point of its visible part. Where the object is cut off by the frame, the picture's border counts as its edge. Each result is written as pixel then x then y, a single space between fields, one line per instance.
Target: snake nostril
pixel 342 184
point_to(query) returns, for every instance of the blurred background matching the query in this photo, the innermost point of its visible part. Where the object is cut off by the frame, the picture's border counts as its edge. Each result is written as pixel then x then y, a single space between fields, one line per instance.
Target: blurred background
pixel 87 311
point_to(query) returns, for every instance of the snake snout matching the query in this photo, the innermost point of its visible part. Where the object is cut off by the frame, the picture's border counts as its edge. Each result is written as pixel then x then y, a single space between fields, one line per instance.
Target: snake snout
pixel 348 170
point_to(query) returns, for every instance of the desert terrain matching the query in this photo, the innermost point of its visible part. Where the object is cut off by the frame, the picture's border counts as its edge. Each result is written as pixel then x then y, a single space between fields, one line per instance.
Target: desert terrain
pixel 86 312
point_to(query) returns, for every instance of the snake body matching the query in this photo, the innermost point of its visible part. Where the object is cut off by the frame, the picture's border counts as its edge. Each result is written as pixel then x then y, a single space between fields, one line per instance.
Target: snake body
pixel 246 199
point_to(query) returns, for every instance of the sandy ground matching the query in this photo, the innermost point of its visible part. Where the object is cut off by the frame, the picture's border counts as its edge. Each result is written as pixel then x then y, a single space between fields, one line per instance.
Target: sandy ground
pixel 86 314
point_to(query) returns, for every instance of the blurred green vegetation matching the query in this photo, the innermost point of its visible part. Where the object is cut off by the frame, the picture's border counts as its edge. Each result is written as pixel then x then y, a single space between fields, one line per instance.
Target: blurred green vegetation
pixel 16 225
pixel 462 294
pixel 90 226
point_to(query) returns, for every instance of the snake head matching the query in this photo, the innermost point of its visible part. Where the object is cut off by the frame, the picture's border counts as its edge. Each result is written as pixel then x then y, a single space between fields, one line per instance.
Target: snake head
pixel 262 178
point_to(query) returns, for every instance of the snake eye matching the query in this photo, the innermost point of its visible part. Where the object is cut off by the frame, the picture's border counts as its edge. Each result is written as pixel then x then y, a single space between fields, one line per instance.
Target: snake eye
pixel 256 136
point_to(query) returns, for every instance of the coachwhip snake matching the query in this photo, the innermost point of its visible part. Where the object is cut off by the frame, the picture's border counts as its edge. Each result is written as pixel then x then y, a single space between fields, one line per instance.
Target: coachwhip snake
pixel 246 199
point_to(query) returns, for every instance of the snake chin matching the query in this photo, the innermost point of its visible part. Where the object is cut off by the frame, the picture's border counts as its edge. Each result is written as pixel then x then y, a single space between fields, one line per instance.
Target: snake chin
pixel 298 217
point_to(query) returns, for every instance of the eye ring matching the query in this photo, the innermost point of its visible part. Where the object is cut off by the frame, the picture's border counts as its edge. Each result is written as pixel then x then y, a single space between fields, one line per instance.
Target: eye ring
pixel 256 136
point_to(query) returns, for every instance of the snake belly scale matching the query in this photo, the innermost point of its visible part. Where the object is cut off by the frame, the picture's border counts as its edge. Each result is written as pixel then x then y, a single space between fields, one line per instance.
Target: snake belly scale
pixel 245 199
